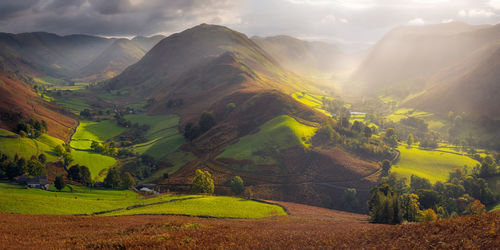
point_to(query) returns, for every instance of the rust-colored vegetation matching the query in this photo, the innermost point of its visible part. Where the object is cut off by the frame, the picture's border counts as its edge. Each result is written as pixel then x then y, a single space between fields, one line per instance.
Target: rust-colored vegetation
pixel 306 227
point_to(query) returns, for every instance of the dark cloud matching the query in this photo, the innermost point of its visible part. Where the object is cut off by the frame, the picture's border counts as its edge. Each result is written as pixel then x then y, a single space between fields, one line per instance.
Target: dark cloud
pixel 9 9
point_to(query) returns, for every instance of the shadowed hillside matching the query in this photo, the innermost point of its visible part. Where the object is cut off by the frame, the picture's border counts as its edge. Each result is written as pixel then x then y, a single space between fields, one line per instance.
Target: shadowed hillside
pixel 147 43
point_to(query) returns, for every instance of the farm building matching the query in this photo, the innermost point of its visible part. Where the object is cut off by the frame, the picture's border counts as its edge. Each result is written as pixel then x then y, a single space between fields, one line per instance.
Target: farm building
pixel 41 182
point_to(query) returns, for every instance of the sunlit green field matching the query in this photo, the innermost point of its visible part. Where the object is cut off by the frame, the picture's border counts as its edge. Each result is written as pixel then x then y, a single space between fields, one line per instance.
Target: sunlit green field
pixel 279 133
pixel 163 136
pixel 218 206
pixel 315 101
pixel 26 147
pixel 432 165
pixel 89 131
pixel 17 199
pixel 94 161
pixel 72 104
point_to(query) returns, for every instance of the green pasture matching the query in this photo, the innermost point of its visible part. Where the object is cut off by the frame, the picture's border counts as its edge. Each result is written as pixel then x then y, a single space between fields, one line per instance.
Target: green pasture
pixel 89 131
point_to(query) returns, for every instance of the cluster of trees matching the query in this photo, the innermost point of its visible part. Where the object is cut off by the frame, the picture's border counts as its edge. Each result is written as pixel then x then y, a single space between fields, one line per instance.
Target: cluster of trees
pixel 80 174
pixel 356 138
pixel 206 122
pixel 393 201
pixel 121 121
pixel 135 134
pixel 116 180
pixel 32 128
pixel 143 167
pixel 18 166
pixel 107 149
pixel 64 151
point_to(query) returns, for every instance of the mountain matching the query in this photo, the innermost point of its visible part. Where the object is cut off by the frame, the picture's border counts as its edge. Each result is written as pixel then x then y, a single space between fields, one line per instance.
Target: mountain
pixel 211 68
pixel 404 60
pixel 303 57
pixel 471 86
pixel 46 53
pixel 113 60
pixel 147 42
pixel 17 97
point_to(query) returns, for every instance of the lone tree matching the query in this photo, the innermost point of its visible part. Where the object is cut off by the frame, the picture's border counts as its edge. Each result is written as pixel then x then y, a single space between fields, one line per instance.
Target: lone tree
pixel 237 185
pixel 410 140
pixel 386 166
pixel 59 183
pixel 203 182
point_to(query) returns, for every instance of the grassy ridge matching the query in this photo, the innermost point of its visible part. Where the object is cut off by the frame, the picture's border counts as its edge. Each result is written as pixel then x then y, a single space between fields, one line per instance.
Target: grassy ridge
pixel 26 147
pixel 279 133
pixel 432 165
pixel 218 206
pixel 163 136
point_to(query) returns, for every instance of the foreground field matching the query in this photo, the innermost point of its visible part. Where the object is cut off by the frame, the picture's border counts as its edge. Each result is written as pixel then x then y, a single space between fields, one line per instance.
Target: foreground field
pixel 17 199
pixel 306 227
pixel 433 165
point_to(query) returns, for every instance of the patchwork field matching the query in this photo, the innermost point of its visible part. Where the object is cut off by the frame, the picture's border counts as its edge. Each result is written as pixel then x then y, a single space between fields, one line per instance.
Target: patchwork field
pixel 433 165
pixel 89 131
pixel 163 136
pixel 10 144
pixel 279 133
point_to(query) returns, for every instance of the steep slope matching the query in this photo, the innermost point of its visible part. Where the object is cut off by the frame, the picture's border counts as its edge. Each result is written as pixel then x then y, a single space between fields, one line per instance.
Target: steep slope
pixel 404 60
pixel 113 60
pixel 18 97
pixel 148 43
pixel 303 57
pixel 474 91
pixel 47 53
pixel 212 68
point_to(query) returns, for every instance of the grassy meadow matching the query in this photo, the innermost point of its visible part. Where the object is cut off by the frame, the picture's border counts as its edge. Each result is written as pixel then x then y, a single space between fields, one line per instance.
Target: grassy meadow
pixel 279 133
pixel 89 131
pixel 11 144
pixel 97 163
pixel 433 165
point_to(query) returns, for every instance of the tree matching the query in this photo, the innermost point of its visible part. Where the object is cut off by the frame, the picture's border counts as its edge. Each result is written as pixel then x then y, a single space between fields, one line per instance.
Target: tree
pixel 59 150
pixel 191 131
pixel 391 138
pixel 42 158
pixel 74 173
pixel 59 183
pixel 409 140
pixel 127 180
pixel 85 177
pixel 428 215
pixel 477 208
pixel 36 168
pixel 237 185
pixel 207 121
pixel 368 132
pixel 383 205
pixel 68 159
pixel 428 198
pixel 409 207
pixel 113 179
pixel 419 183
pixel 203 182
pixel 350 198
pixel 488 167
pixel 386 166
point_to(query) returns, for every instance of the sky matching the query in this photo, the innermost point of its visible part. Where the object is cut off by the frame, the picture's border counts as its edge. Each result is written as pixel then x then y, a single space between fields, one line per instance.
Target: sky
pixel 349 23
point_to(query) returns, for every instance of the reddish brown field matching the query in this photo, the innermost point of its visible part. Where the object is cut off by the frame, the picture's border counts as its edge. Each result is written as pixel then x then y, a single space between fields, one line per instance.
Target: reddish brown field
pixel 306 227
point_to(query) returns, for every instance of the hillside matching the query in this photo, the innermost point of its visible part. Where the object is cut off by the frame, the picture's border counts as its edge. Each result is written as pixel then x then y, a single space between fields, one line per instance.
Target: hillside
pixel 474 90
pixel 113 60
pixel 147 43
pixel 17 96
pixel 404 60
pixel 210 68
pixel 303 57
pixel 43 53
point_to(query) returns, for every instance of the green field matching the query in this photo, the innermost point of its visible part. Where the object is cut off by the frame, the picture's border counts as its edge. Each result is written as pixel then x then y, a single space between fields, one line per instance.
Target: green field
pixel 26 147
pixel 177 159
pixel 279 133
pixel 96 163
pixel 72 104
pixel 217 206
pixel 315 101
pixel 94 131
pixel 432 165
pixel 163 136
pixel 47 80
pixel 17 199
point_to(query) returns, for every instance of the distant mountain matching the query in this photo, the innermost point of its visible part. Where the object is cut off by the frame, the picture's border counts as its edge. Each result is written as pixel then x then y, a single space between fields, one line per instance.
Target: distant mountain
pixel 405 59
pixel 303 57
pixel 147 43
pixel 17 97
pixel 471 86
pixel 46 53
pixel 113 60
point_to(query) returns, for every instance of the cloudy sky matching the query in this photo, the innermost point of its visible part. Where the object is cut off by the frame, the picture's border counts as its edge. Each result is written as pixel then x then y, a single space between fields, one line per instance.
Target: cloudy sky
pixel 347 22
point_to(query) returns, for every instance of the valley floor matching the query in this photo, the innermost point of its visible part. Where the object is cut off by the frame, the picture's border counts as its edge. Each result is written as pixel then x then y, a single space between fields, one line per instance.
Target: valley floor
pixel 305 227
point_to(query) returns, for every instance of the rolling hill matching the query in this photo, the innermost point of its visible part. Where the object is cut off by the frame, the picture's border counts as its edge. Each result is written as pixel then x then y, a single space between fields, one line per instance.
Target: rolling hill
pixel 113 60
pixel 303 57
pixel 210 68
pixel 405 59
